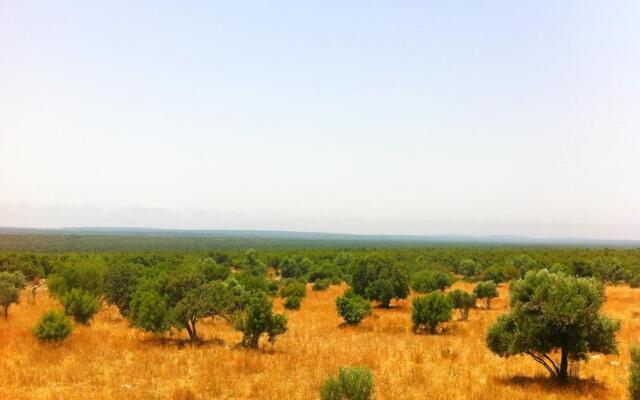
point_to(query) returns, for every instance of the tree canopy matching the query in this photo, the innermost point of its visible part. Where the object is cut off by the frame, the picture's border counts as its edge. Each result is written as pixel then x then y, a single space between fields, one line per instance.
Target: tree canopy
pixel 554 313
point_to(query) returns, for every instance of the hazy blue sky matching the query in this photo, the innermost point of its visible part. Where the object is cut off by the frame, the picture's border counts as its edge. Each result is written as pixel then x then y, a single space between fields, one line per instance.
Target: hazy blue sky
pixel 476 117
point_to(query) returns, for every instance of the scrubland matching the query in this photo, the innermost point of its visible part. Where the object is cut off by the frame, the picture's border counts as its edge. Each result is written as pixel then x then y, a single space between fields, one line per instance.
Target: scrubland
pixel 110 360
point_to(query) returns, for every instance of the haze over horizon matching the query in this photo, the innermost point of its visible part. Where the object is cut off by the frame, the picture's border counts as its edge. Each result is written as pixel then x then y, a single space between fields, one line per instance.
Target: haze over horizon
pixel 460 118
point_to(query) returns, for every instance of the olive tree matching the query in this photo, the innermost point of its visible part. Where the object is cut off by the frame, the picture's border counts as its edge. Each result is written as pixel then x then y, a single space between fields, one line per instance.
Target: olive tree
pixel 380 281
pixel 553 313
pixel 11 283
pixel 462 301
pixel 486 290
pixel 179 299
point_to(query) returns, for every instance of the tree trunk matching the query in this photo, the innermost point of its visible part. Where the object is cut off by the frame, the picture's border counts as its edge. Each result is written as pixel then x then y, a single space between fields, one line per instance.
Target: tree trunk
pixel 564 366
pixel 191 330
pixel 6 311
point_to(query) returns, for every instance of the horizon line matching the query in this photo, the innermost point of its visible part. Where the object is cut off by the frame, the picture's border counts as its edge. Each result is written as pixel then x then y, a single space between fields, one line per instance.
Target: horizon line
pixel 149 229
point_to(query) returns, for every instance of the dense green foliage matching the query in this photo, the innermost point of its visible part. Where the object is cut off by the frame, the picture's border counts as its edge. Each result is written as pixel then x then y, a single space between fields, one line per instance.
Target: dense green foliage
pixel 320 285
pixel 54 326
pixel 81 305
pixel 554 312
pixel 349 384
pixel 426 281
pixel 293 292
pixel 486 290
pixel 293 303
pixel 179 299
pixel 352 307
pixel 462 301
pixel 380 280
pixel 185 280
pixel 11 283
pixel 120 282
pixel 259 319
pixel 428 311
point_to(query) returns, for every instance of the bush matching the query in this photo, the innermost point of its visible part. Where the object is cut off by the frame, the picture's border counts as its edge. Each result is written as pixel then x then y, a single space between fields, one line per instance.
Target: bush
pixel 462 301
pixel 258 319
pixel 53 327
pixel 429 311
pixel 634 377
pixel 349 384
pixel 294 289
pixel 293 303
pixel 486 290
pixel 320 285
pixel 352 308
pixel 81 305
pixel 635 282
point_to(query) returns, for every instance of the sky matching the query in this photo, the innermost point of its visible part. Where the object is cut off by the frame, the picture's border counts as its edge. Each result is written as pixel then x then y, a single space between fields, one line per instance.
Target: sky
pixel 407 117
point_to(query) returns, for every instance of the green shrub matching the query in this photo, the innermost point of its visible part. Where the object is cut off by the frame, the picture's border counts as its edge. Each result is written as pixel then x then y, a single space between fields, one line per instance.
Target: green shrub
pixel 429 311
pixel 293 303
pixel 320 285
pixel 81 305
pixel 349 384
pixel 352 308
pixel 120 283
pixel 294 289
pixel 496 273
pixel 428 281
pixel 149 311
pixel 53 327
pixel 635 282
pixel 257 319
pixel 634 377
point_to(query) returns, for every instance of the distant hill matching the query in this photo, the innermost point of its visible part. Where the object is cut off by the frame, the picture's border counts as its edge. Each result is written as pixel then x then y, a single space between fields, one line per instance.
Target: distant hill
pixel 16 237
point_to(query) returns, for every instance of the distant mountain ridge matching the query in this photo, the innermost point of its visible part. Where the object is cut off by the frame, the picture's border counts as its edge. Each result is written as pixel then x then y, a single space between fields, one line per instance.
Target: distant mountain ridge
pixel 317 236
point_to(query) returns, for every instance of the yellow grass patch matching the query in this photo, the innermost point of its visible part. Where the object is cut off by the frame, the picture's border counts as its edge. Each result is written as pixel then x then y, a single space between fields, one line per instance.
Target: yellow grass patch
pixel 110 360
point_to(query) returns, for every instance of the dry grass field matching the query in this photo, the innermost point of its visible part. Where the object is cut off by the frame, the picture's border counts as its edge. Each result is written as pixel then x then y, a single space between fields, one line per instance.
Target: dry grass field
pixel 109 360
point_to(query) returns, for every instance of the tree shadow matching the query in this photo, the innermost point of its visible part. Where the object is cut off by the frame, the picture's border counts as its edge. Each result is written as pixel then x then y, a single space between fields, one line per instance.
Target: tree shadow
pixel 263 348
pixel 588 386
pixel 356 327
pixel 181 343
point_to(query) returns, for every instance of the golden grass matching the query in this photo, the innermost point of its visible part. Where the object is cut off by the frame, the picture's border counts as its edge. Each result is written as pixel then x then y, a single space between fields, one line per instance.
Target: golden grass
pixel 110 360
